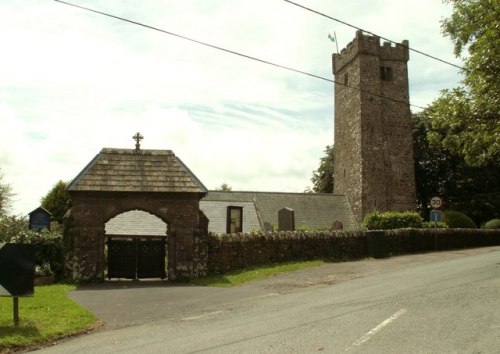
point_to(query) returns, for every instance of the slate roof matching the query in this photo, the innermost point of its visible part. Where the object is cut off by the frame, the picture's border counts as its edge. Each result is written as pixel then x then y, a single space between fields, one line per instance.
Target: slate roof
pixel 312 210
pixel 128 170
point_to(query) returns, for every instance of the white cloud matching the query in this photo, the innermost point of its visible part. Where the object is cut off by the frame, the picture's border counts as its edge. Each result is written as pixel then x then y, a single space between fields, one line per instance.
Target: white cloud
pixel 72 82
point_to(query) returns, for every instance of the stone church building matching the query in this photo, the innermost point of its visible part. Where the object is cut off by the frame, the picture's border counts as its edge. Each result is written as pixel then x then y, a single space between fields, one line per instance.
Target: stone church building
pixel 374 164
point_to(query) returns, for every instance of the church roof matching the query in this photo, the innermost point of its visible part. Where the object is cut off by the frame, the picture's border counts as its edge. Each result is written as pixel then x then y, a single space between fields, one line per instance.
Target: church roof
pixel 128 170
pixel 310 209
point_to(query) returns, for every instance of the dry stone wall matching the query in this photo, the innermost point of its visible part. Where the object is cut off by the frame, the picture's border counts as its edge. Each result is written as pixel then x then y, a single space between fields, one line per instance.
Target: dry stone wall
pixel 237 251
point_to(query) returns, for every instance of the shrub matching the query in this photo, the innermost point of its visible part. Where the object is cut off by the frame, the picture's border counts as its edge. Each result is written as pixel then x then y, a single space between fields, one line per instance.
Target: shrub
pixel 392 220
pixel 492 224
pixel 49 254
pixel 458 220
pixel 434 225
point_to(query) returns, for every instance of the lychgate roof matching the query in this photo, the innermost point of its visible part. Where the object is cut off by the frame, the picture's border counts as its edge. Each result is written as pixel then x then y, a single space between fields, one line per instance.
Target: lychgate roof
pixel 128 170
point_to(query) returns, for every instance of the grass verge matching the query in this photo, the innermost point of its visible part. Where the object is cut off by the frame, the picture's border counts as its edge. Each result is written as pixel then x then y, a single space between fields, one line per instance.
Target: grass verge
pixel 48 315
pixel 243 276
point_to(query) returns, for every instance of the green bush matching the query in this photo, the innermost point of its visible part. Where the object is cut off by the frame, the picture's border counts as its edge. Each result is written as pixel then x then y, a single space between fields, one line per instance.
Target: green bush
pixel 492 224
pixel 434 225
pixel 392 220
pixel 458 220
pixel 48 245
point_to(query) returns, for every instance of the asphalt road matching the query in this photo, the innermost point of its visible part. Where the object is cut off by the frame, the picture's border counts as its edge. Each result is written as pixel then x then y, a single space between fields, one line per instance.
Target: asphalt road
pixel 445 302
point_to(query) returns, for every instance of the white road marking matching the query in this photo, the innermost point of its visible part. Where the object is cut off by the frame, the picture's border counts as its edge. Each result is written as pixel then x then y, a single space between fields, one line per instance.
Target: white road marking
pixel 374 331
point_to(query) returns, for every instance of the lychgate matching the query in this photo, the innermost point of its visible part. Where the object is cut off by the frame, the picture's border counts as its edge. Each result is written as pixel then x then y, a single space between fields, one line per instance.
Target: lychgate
pixel 120 180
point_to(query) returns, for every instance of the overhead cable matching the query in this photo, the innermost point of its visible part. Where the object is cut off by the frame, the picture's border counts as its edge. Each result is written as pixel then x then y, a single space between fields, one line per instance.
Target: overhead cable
pixel 371 33
pixel 236 53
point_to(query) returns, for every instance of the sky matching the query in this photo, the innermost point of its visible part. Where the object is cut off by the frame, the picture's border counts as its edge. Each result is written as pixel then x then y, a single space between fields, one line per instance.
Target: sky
pixel 73 82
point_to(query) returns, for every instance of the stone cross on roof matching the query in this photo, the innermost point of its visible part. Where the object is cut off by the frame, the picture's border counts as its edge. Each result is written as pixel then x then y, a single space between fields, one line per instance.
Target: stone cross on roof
pixel 137 137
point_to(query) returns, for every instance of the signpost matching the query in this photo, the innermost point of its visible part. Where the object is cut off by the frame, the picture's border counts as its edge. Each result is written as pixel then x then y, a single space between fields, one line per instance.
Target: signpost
pixel 17 273
pixel 436 202
pixel 436 215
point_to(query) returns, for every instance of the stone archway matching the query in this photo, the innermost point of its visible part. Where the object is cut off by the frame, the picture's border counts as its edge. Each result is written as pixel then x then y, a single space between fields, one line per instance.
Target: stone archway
pixel 120 180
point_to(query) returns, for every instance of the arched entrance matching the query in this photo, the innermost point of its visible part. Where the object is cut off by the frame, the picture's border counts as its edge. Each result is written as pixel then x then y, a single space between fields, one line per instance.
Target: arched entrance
pixel 120 180
pixel 136 246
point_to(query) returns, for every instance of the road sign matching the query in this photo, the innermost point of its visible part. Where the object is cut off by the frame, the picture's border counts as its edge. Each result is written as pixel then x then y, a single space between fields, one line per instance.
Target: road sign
pixel 436 216
pixel 17 272
pixel 17 269
pixel 436 202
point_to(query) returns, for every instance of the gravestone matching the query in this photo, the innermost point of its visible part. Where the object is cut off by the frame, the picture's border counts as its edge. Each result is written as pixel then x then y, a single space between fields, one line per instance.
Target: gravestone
pixel 268 227
pixel 286 219
pixel 337 225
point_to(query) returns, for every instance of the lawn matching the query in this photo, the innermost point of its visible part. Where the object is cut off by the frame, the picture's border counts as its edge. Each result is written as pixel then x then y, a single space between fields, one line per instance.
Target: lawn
pixel 243 276
pixel 47 315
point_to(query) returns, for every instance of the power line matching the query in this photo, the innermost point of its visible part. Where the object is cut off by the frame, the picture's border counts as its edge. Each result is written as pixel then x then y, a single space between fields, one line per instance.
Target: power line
pixel 371 33
pixel 236 53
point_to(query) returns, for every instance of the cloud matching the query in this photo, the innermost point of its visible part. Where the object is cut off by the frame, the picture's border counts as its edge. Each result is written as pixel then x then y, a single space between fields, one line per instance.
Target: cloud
pixel 73 82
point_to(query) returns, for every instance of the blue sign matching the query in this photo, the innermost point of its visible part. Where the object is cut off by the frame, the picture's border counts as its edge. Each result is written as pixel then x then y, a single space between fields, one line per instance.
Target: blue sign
pixel 40 219
pixel 436 216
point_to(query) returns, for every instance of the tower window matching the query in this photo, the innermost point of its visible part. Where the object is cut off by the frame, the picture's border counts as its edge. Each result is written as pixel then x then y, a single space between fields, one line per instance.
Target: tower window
pixel 346 78
pixel 385 73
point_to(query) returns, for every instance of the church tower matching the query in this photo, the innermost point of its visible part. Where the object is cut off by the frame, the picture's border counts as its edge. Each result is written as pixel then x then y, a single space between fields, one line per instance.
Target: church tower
pixel 374 164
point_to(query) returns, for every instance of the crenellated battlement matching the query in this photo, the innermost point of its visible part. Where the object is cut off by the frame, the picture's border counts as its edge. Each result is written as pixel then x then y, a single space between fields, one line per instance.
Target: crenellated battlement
pixel 370 45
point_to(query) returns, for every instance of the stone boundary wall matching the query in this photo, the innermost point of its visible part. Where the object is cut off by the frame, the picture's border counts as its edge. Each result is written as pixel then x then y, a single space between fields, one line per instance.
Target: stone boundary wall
pixel 237 251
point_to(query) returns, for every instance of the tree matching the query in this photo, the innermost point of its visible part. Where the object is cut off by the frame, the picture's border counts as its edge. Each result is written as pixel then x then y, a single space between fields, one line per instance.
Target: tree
pixel 224 187
pixel 322 178
pixel 465 120
pixel 57 201
pixel 5 196
pixel 11 226
pixel 472 190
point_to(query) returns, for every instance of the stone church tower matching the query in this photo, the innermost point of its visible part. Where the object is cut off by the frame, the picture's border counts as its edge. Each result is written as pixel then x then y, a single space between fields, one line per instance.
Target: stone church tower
pixel 374 164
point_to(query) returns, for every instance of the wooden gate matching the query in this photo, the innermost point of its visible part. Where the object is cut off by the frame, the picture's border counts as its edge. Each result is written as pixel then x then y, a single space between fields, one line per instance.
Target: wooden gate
pixel 136 257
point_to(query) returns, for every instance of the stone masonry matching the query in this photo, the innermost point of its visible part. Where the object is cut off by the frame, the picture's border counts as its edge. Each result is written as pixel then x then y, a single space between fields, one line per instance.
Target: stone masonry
pixel 374 165
pixel 120 180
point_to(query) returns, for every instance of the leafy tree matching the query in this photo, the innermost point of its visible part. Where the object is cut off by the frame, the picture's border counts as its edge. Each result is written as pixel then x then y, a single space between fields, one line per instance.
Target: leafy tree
pixel 57 201
pixel 474 191
pixel 322 178
pixel 12 225
pixel 224 187
pixel 466 119
pixel 5 196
